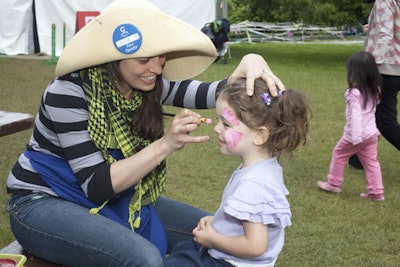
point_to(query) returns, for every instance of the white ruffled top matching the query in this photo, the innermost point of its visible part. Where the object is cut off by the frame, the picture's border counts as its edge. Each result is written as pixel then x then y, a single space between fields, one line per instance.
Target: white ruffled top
pixel 257 194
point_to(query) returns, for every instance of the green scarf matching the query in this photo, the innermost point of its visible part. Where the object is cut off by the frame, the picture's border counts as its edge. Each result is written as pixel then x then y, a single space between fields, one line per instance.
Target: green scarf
pixel 109 126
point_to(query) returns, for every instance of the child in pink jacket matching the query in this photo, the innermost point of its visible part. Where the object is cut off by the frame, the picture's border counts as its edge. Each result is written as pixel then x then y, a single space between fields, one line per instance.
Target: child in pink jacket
pixel 360 132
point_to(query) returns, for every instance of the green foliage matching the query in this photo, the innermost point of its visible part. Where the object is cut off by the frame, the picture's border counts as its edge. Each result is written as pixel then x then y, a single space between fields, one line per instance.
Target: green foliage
pixel 333 230
pixel 315 12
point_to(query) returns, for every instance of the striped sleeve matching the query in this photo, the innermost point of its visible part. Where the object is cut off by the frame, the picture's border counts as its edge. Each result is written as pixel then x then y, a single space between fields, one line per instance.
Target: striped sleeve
pixel 191 93
pixel 61 130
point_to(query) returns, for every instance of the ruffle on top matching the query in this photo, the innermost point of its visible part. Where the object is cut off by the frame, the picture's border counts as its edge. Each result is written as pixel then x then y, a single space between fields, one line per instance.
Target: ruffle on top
pixel 259 205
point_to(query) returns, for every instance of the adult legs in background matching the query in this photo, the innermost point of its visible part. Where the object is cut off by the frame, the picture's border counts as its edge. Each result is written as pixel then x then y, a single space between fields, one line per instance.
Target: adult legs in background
pixel 65 233
pixel 179 219
pixel 355 162
pixel 386 112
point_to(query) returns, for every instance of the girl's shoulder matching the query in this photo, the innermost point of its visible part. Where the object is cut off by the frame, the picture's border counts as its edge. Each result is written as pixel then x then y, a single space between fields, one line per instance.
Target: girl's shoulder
pixel 352 92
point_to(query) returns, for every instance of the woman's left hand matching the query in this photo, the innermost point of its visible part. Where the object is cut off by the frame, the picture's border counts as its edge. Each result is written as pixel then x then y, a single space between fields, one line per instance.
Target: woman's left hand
pixel 253 66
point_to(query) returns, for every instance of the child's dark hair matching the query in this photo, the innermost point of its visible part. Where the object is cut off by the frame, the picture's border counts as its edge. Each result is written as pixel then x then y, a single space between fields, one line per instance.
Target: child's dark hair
pixel 363 73
pixel 286 116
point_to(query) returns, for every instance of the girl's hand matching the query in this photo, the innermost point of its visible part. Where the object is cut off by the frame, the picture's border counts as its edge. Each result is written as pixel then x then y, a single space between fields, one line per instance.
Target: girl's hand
pixel 202 224
pixel 204 232
pixel 178 134
pixel 253 66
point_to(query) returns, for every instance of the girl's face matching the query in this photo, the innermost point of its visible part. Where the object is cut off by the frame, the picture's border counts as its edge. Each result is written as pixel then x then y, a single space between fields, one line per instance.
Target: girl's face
pixel 234 137
pixel 141 73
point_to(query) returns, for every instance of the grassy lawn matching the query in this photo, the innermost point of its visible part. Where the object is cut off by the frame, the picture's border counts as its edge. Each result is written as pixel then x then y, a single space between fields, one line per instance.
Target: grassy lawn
pixel 328 229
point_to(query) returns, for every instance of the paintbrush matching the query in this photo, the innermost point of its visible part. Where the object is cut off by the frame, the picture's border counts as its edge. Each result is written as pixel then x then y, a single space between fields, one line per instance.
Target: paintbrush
pixel 203 120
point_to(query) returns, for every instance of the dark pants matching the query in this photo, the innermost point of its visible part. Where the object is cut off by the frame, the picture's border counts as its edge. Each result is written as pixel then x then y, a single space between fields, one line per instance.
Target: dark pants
pixel 386 112
pixel 191 254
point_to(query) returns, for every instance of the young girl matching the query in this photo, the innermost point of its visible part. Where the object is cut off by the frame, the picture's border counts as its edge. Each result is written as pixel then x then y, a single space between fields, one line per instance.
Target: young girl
pixel 248 228
pixel 360 132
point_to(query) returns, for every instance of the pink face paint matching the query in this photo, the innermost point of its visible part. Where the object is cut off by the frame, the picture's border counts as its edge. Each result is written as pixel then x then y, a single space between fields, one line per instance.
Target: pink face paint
pixel 232 137
pixel 230 116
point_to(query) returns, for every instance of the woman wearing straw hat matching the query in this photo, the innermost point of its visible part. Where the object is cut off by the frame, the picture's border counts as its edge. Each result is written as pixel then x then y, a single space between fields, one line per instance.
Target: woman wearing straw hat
pixel 86 192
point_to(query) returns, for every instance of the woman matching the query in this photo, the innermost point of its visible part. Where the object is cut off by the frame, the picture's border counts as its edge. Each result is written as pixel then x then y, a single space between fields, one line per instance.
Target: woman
pixel 98 145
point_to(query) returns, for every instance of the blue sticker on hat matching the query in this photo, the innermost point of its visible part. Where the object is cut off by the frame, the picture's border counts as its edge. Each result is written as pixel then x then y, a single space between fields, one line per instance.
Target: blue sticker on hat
pixel 127 38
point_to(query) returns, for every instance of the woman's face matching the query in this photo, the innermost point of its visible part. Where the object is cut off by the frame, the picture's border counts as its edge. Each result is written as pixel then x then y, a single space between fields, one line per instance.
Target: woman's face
pixel 141 73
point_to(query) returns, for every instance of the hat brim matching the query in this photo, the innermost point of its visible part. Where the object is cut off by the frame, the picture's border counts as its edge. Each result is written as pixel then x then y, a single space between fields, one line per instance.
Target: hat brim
pixel 188 51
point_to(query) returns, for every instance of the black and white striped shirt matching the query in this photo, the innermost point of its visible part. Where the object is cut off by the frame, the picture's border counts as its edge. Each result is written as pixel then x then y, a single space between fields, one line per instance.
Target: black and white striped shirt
pixel 61 130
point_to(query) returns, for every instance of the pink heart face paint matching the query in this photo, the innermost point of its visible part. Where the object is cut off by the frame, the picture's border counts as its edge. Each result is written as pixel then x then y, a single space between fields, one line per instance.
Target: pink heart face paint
pixel 230 117
pixel 232 137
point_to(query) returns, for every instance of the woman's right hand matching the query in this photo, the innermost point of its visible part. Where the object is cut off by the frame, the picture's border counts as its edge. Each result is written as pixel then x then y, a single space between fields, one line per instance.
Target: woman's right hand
pixel 178 134
pixel 127 172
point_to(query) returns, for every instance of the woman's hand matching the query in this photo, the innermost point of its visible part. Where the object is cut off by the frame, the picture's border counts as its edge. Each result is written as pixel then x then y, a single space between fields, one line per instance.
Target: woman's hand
pixel 365 28
pixel 178 134
pixel 127 172
pixel 253 66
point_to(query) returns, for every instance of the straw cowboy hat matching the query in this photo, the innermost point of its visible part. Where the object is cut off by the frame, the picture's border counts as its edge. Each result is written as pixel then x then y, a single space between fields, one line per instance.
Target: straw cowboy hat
pixel 137 28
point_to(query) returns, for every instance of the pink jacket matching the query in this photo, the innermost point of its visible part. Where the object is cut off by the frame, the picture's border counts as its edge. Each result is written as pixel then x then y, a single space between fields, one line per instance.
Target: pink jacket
pixel 383 40
pixel 360 122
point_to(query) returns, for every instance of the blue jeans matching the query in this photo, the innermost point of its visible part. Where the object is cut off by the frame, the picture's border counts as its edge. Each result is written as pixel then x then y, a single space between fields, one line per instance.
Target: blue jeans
pixel 65 233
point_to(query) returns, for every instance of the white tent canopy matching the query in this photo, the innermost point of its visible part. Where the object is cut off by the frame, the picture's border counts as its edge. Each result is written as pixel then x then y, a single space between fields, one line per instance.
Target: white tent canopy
pixel 17 34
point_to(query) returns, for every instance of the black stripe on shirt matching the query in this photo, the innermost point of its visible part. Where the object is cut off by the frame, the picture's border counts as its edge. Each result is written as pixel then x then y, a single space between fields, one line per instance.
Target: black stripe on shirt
pixel 65 101
pixel 201 95
pixel 46 144
pixel 27 176
pixel 180 93
pixel 80 150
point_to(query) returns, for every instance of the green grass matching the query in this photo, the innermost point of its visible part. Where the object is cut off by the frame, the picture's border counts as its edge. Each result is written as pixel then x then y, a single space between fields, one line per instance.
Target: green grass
pixel 328 229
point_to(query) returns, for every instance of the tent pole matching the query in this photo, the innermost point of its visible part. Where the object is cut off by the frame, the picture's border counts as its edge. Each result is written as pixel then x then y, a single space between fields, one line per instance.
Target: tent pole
pixel 53 59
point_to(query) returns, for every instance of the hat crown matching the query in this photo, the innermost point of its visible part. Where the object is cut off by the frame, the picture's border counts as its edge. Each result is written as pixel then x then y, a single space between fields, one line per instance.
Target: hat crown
pixel 152 32
pixel 128 4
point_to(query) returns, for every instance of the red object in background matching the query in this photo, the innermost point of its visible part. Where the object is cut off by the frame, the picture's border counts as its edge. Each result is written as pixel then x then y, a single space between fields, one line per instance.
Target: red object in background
pixel 83 18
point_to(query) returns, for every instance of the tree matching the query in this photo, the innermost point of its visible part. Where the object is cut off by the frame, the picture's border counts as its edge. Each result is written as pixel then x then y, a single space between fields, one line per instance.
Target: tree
pixel 316 12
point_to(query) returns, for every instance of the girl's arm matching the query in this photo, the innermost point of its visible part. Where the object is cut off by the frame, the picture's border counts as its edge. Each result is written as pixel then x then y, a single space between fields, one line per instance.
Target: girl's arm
pixel 355 116
pixel 252 244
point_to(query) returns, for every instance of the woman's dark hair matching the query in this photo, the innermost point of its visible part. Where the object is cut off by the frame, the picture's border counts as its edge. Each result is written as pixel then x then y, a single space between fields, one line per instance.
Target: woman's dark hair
pixel 148 121
pixel 363 73
pixel 286 117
